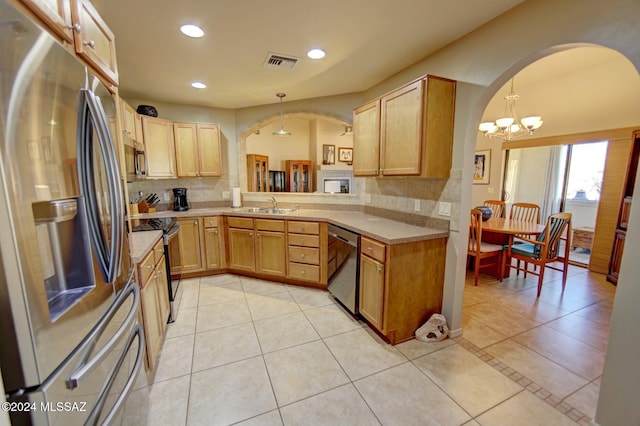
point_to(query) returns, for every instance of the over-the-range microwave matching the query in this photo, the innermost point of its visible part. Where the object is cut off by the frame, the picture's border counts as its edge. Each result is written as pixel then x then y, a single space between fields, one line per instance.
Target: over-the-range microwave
pixel 135 161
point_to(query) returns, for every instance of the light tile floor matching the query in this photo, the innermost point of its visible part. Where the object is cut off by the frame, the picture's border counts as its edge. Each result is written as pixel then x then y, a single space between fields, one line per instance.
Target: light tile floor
pixel 254 352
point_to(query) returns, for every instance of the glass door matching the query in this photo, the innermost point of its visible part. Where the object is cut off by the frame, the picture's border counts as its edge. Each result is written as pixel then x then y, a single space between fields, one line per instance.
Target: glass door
pixel 565 178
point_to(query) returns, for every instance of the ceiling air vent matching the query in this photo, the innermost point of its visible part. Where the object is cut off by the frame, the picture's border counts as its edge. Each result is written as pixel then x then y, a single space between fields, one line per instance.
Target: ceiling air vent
pixel 280 62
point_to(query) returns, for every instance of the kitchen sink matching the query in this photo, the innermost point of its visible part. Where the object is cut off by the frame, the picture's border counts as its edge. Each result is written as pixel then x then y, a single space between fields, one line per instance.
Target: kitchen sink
pixel 268 210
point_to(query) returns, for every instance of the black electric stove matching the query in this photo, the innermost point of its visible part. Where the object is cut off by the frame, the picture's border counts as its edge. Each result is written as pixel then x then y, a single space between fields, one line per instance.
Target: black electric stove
pixel 164 224
pixel 169 227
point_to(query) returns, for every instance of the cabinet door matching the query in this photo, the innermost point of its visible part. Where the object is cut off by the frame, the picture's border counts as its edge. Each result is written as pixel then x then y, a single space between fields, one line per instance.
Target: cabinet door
pixel 56 14
pixel 241 254
pixel 209 150
pixel 159 147
pixel 128 121
pixel 151 320
pixel 366 139
pixel 185 247
pixel 163 292
pixel 372 291
pixel 185 136
pixel 270 253
pixel 212 249
pixel 95 41
pixel 401 131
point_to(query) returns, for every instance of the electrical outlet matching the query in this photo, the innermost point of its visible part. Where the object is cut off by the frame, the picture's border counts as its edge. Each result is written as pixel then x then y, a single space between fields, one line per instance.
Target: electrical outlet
pixel 490 190
pixel 444 209
pixel 226 195
pixel 167 197
pixel 416 205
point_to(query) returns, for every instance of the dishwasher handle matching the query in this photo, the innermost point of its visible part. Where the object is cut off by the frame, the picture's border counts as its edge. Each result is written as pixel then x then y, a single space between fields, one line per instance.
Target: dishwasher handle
pixel 345 236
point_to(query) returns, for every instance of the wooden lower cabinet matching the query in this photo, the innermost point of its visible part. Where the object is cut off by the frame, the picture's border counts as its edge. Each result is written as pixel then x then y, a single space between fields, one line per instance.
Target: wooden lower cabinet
pixel 154 302
pixel 270 247
pixel 371 290
pixel 241 249
pixel 213 247
pixel 307 251
pixel 401 285
pixel 184 249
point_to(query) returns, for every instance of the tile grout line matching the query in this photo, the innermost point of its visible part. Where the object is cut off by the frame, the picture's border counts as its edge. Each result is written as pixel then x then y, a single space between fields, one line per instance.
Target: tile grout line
pixel 529 385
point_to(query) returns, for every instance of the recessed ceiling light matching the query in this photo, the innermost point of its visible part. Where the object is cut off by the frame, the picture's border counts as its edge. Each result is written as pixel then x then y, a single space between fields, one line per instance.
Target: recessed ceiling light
pixel 199 85
pixel 316 54
pixel 192 30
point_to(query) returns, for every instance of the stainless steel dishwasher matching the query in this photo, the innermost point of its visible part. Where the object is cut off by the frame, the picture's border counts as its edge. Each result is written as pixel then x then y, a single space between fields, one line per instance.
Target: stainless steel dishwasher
pixel 344 284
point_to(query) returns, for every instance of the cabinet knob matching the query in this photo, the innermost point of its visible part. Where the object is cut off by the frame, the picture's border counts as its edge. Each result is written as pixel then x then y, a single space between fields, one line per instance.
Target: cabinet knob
pixel 302 241
pixel 90 43
pixel 302 255
pixel 378 269
pixel 302 272
pixel 251 234
pixel 75 27
pixel 302 227
pixel 150 267
pixel 369 249
pixel 215 231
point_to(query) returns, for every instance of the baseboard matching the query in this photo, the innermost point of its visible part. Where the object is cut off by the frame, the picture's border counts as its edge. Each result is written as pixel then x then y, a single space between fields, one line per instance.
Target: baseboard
pixel 455 333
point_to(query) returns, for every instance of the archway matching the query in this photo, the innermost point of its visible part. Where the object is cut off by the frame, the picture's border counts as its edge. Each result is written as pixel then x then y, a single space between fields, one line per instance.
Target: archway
pixel 318 125
pixel 472 135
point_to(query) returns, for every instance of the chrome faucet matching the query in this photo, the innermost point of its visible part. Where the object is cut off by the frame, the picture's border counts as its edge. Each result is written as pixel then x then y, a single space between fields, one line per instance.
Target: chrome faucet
pixel 274 202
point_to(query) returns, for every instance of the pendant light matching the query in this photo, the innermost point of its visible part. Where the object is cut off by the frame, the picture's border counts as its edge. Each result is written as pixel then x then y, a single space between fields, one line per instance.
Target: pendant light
pixel 508 127
pixel 282 131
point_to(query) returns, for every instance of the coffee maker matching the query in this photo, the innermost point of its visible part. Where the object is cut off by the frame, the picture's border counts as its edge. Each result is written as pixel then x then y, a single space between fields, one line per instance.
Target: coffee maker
pixel 180 202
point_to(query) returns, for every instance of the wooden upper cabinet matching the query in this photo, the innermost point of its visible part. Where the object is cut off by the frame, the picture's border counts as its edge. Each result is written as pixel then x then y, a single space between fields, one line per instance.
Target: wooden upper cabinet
pixel 128 121
pixel 94 41
pixel 439 116
pixel 56 14
pixel 159 147
pixel 401 131
pixel 407 132
pixel 198 151
pixel 366 139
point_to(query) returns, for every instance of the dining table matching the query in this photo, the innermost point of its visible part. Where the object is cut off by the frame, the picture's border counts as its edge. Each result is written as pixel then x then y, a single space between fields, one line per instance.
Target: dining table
pixel 498 230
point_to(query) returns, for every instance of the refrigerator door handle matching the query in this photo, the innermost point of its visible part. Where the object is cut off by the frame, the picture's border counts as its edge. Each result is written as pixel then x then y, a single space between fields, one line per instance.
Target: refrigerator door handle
pixel 104 392
pixel 91 117
pixel 85 366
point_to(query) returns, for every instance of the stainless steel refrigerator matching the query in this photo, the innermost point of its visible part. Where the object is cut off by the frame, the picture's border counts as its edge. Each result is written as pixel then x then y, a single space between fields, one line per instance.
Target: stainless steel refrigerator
pixel 71 347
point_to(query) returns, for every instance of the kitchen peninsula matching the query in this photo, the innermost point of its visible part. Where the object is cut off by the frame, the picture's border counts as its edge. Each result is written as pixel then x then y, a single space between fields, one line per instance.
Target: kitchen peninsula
pixel 402 265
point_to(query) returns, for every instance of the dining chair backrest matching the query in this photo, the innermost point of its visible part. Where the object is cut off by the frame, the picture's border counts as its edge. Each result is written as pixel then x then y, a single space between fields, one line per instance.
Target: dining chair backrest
pixel 557 224
pixel 526 212
pixel 498 207
pixel 475 231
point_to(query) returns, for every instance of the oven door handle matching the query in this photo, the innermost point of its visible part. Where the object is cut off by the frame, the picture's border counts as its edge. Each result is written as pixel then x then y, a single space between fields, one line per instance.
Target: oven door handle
pixel 172 233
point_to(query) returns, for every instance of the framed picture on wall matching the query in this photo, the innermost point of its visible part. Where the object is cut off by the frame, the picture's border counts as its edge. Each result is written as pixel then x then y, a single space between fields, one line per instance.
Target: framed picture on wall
pixel 345 155
pixel 482 167
pixel 328 154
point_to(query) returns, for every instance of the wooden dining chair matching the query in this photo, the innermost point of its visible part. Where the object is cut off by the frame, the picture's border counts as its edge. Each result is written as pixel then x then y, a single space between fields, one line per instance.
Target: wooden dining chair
pixel 499 208
pixel 526 212
pixel 480 250
pixel 544 250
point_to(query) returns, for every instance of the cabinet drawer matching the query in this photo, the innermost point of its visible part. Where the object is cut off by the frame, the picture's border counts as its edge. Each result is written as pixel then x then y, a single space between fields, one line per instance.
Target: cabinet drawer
pixel 211 221
pixel 146 267
pixel 373 249
pixel 304 255
pixel 304 272
pixel 312 228
pixel 269 225
pixel 304 240
pixel 240 222
pixel 158 251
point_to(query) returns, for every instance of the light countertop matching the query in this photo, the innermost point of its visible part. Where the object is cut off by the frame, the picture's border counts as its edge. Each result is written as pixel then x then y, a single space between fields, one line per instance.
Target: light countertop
pixel 141 243
pixel 384 230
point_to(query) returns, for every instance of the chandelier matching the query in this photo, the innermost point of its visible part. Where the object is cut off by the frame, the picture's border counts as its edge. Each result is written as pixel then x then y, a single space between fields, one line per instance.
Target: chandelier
pixel 282 131
pixel 508 127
